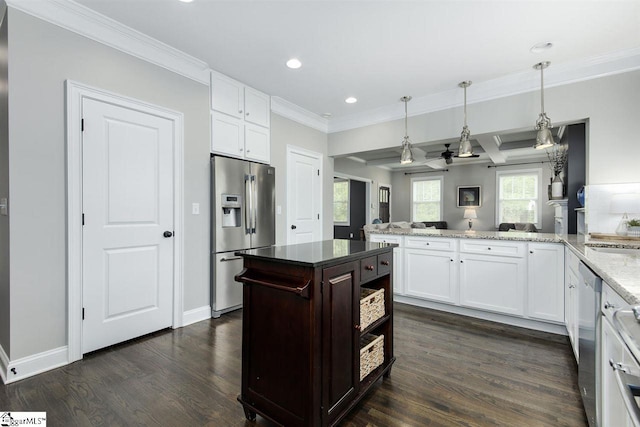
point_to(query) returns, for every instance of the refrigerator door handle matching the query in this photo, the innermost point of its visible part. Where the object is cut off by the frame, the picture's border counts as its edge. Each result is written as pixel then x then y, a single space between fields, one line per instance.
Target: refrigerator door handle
pixel 248 205
pixel 254 204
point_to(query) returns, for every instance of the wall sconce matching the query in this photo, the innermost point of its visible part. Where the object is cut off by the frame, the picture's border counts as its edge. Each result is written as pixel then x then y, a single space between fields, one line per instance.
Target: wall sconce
pixel 470 214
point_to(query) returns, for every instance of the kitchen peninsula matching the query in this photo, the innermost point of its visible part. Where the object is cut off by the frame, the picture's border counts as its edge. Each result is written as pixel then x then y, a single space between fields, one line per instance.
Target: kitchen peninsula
pixel 310 347
pixel 508 277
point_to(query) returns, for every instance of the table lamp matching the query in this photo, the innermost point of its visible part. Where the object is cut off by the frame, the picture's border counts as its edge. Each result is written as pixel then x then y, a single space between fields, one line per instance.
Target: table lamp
pixel 470 214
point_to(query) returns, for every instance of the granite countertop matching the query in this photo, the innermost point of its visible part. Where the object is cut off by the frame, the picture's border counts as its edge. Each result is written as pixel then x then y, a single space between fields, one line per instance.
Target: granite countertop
pixel 317 253
pixel 620 270
pixel 492 235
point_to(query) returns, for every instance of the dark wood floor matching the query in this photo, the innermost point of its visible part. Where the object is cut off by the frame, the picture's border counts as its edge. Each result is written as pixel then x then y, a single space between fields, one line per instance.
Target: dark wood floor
pixel 450 371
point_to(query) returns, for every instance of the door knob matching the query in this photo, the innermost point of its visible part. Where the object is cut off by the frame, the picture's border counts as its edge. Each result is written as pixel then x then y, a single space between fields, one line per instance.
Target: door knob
pixel 293 227
pixel 167 234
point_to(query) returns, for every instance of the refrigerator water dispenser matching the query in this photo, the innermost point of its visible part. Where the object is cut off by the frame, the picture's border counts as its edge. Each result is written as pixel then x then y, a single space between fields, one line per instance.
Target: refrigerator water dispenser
pixel 231 210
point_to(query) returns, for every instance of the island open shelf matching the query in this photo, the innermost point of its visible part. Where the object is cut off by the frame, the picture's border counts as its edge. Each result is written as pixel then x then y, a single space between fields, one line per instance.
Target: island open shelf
pixel 302 333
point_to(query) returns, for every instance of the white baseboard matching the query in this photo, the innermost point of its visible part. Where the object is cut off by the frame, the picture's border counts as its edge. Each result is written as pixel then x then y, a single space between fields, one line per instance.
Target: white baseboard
pixel 32 365
pixel 553 328
pixel 4 365
pixel 196 315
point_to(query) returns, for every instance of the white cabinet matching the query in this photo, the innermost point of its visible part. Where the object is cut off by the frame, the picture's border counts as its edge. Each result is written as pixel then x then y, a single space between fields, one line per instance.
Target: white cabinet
pixel 545 280
pixel 571 298
pixel 494 283
pixel 615 355
pixel 431 273
pixel 240 120
pixel 398 267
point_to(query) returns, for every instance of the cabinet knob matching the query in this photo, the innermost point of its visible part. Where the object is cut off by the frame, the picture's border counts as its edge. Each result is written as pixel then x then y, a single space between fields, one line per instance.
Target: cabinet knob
pixel 240 111
pixel 427 243
pixel 461 261
pixel 240 149
pixel 608 305
pixel 384 262
pixel 488 249
pixel 369 267
pixel 357 327
pixel 451 259
pixel 573 286
pixel 617 366
pixel 530 252
pixel 247 113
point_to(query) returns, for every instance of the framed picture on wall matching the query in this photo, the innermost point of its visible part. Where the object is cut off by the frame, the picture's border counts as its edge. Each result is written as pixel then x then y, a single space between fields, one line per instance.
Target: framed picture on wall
pixel 469 197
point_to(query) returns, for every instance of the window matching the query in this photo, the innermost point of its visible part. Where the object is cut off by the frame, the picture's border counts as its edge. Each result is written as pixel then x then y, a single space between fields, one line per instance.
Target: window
pixel 519 196
pixel 340 201
pixel 426 199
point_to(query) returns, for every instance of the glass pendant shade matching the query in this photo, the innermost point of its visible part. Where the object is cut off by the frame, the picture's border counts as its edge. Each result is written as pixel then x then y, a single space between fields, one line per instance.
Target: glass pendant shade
pixel 407 156
pixel 544 138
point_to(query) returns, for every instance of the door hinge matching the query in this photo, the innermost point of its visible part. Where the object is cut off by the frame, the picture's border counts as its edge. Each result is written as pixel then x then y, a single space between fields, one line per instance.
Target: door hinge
pixel 82 219
pixel 82 313
pixel 318 172
pixel 318 216
pixel 82 125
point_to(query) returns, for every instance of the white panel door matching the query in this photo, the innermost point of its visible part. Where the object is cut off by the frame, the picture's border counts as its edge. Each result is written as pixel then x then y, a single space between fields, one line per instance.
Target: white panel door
pixel 304 198
pixel 128 215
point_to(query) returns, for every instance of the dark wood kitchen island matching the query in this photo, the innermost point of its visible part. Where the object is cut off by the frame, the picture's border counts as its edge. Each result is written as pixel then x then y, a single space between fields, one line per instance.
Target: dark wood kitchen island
pixel 303 334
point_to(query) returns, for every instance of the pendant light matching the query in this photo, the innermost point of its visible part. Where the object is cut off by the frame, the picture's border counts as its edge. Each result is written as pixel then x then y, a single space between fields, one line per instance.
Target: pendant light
pixel 407 155
pixel 544 138
pixel 465 149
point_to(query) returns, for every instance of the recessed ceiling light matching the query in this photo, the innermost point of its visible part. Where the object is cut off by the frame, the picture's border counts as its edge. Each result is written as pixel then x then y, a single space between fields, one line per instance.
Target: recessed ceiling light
pixel 351 100
pixel 186 1
pixel 294 63
pixel 541 47
pixel 327 115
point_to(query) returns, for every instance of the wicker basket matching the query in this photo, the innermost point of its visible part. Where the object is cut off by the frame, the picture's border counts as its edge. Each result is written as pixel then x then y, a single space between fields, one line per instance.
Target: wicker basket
pixel 371 306
pixel 371 353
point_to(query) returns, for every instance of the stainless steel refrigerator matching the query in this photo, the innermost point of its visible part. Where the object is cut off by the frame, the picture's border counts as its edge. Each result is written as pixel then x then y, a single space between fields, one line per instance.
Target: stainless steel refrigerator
pixel 243 214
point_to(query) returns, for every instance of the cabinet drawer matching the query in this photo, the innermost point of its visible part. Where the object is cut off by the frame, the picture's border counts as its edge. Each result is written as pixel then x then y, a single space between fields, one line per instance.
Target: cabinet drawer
pixel 436 244
pixel 493 247
pixel 384 238
pixel 611 301
pixel 571 260
pixel 384 263
pixel 368 268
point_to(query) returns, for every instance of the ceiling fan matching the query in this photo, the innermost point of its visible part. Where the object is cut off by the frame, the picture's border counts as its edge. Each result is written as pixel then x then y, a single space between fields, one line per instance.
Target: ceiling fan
pixel 448 155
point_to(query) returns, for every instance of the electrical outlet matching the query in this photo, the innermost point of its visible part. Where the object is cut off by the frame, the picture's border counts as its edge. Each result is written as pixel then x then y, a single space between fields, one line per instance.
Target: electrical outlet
pixel 351 235
pixel 195 208
pixel 4 206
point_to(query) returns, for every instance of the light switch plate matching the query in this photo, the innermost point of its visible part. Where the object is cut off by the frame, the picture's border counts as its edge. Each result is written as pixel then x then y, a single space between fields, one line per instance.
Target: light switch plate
pixel 3 206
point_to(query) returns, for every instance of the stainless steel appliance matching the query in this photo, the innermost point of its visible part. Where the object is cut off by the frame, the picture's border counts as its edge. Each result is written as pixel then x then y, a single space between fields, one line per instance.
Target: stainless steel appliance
pixel 243 215
pixel 589 294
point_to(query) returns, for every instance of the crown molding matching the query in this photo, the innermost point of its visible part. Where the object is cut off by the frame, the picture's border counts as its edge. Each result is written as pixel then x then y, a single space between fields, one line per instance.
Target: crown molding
pixel 88 23
pixel 513 84
pixel 298 114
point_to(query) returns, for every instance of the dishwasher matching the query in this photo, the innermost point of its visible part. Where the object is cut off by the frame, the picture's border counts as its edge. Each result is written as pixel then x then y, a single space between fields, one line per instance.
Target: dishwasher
pixel 589 294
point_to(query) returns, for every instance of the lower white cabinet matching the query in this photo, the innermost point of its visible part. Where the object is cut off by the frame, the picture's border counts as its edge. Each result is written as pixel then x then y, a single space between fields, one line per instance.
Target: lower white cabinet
pixel 431 274
pixel 494 283
pixel 615 355
pixel 545 277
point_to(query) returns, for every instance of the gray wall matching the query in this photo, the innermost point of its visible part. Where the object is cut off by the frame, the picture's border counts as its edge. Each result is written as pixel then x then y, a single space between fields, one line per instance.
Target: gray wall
pixel 376 175
pixel 41 57
pixel 287 132
pixel 609 103
pixel 5 320
pixel 477 174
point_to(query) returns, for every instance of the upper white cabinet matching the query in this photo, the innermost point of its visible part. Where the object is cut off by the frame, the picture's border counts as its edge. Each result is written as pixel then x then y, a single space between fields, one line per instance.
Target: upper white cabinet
pixel 240 120
pixel 545 280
